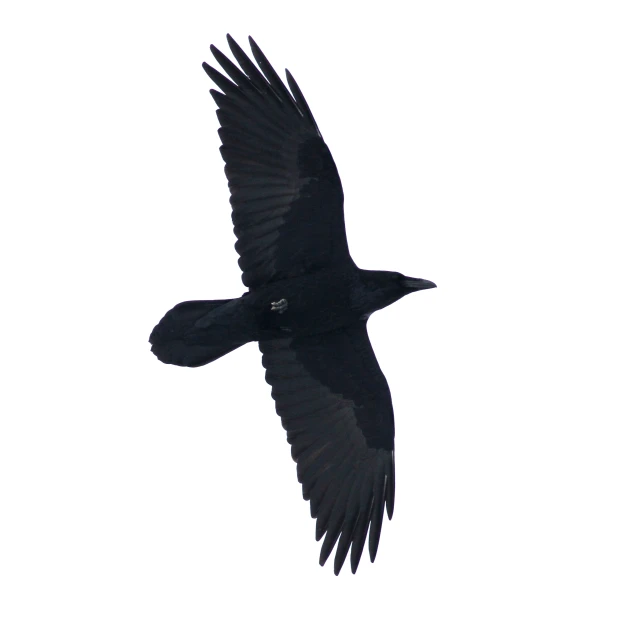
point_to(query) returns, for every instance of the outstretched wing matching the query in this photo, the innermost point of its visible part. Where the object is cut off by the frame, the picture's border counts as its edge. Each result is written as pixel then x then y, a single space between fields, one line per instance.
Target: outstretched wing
pixel 286 194
pixel 335 405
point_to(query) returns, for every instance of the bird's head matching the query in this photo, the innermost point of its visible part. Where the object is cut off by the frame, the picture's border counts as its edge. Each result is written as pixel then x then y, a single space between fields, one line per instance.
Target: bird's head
pixel 386 287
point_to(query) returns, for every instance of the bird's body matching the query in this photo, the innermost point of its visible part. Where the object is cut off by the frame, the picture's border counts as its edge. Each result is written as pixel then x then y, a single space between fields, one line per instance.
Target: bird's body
pixel 316 303
pixel 307 305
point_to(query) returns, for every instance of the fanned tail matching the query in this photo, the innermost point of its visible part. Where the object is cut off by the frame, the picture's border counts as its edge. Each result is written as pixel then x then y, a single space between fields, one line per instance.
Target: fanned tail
pixel 195 333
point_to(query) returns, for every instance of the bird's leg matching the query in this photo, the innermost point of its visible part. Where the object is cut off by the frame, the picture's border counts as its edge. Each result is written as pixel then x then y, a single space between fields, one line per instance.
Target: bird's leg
pixel 280 306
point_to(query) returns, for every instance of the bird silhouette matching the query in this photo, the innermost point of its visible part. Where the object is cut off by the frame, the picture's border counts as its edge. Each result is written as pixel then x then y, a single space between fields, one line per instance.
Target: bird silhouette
pixel 307 304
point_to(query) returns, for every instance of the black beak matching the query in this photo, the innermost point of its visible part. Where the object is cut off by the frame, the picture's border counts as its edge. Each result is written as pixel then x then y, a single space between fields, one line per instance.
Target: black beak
pixel 417 283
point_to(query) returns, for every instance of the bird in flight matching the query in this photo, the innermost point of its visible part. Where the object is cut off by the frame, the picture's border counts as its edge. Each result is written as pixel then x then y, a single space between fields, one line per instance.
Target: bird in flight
pixel 307 304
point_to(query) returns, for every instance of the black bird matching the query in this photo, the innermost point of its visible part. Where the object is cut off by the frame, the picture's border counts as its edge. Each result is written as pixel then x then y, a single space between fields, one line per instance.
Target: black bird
pixel 307 304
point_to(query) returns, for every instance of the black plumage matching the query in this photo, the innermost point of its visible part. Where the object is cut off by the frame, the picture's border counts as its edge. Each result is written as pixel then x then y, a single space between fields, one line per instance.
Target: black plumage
pixel 307 304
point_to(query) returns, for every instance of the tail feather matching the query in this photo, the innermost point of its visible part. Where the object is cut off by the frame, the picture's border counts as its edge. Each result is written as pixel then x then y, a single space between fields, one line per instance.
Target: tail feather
pixel 179 338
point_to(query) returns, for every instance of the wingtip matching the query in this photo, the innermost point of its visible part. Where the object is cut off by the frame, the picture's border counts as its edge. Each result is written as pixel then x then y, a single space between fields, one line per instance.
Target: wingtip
pixel 390 503
pixel 255 49
pixel 355 561
pixel 374 541
pixel 391 486
pixel 208 69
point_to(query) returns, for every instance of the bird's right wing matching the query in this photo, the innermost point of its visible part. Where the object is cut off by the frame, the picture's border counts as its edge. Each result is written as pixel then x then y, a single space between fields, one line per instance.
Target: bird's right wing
pixel 335 405
pixel 286 193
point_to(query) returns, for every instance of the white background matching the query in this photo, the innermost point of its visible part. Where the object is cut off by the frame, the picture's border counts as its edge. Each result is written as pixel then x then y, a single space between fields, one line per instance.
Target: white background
pixel 492 147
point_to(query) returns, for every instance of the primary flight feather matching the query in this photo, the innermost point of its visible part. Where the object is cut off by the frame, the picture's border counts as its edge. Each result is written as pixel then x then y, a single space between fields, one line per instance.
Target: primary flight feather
pixel 307 304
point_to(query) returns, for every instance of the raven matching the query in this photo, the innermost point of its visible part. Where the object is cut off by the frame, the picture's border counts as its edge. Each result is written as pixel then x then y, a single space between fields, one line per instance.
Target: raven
pixel 307 304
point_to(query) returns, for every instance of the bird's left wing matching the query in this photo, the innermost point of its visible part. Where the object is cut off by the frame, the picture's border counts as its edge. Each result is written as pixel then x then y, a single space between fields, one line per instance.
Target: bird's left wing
pixel 335 405
pixel 286 193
